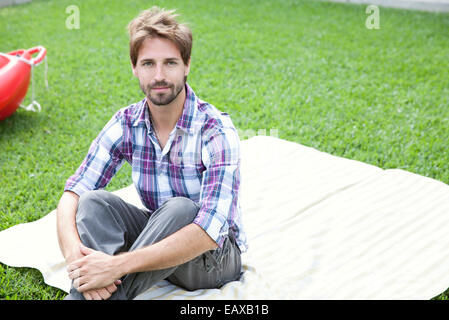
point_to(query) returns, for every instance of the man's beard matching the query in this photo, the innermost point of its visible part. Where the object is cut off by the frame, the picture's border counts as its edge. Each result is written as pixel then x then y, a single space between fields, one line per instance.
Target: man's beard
pixel 164 98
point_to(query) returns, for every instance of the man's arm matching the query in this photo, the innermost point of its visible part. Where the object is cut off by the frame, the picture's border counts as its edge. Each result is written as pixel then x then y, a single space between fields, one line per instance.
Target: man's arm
pixel 68 237
pixel 103 160
pixel 178 248
pixel 98 269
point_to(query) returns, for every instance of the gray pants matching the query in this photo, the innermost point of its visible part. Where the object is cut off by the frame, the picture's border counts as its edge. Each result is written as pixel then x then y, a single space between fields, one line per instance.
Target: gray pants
pixel 107 223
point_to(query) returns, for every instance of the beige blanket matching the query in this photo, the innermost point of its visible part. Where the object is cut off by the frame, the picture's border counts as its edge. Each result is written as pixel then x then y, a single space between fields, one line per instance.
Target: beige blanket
pixel 319 227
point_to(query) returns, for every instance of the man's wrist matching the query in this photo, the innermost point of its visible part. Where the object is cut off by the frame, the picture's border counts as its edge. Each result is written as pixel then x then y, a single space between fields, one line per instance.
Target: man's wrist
pixel 121 262
pixel 73 254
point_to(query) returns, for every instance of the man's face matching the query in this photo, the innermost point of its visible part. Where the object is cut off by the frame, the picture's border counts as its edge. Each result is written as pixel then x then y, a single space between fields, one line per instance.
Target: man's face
pixel 161 70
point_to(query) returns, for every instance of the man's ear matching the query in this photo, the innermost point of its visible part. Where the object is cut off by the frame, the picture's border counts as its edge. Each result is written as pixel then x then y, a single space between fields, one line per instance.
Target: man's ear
pixel 134 69
pixel 188 68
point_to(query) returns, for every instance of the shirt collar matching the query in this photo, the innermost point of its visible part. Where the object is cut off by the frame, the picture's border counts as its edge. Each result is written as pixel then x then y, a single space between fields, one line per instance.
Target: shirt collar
pixel 185 122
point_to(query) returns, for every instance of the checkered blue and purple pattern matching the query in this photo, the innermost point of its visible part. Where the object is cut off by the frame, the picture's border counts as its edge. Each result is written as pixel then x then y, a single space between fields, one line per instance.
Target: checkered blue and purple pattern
pixel 200 161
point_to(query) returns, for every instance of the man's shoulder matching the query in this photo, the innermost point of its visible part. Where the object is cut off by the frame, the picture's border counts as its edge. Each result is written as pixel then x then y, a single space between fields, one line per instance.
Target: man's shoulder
pixel 211 118
pixel 131 114
pixel 217 126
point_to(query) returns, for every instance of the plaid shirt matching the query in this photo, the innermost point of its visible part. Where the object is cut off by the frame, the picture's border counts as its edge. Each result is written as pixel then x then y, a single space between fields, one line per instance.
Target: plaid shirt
pixel 200 161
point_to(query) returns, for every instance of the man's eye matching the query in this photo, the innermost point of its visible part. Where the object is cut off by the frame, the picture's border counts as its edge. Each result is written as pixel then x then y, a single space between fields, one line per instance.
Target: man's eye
pixel 147 64
pixel 172 63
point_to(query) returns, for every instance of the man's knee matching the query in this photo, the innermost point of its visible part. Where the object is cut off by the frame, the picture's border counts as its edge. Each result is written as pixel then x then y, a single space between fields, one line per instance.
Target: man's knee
pixel 91 201
pixel 181 209
pixel 92 196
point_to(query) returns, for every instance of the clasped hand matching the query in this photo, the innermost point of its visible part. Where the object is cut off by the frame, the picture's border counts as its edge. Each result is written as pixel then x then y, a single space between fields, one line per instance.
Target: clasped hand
pixel 94 274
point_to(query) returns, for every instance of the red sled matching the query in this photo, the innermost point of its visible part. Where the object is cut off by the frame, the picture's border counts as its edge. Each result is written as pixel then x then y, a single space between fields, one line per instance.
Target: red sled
pixel 15 73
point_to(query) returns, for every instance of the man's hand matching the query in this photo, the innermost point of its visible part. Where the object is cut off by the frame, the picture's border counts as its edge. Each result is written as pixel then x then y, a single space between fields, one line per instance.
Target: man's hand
pixel 94 274
pixel 102 293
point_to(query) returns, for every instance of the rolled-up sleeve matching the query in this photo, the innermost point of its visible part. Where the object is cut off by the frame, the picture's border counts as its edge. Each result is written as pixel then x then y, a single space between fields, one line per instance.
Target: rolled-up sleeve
pixel 103 160
pixel 220 183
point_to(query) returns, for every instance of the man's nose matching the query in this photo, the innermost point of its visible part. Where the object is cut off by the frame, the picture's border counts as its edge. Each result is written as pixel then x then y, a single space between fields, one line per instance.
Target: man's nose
pixel 159 73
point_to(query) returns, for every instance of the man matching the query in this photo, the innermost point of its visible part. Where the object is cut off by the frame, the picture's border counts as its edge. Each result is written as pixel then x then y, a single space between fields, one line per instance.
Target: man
pixel 185 160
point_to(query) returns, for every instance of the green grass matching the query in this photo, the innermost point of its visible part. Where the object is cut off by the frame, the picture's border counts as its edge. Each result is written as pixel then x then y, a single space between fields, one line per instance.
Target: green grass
pixel 311 70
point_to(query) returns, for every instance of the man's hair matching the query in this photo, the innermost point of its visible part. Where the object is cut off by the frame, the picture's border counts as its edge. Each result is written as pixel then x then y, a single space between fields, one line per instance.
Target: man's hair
pixel 157 22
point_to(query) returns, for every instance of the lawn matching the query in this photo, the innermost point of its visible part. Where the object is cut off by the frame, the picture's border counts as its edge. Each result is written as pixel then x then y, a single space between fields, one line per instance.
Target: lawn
pixel 310 70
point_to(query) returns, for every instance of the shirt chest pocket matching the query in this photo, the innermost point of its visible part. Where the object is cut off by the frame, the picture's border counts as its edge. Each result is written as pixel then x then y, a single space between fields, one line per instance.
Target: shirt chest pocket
pixel 185 171
pixel 185 180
